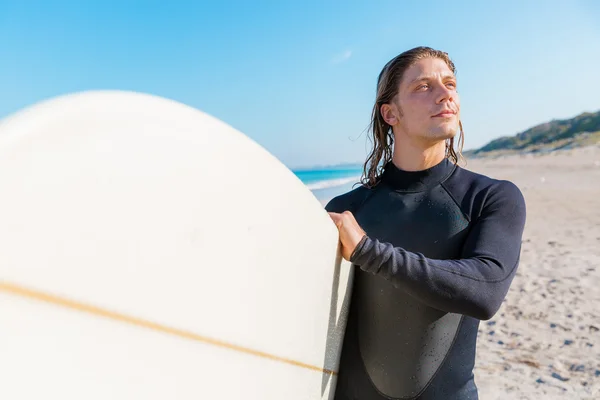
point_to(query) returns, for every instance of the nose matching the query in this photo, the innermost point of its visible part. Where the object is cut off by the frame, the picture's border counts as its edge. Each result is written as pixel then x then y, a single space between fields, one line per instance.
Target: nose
pixel 445 94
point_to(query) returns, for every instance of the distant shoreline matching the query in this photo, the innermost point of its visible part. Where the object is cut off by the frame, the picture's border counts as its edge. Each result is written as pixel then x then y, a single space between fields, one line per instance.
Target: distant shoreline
pixel 524 152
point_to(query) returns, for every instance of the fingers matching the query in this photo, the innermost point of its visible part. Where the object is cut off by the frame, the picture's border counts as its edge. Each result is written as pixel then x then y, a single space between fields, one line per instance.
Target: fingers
pixel 344 220
pixel 345 214
pixel 337 219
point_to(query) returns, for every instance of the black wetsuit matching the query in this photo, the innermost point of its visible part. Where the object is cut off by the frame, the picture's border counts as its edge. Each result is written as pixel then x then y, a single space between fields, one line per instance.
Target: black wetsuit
pixel 441 251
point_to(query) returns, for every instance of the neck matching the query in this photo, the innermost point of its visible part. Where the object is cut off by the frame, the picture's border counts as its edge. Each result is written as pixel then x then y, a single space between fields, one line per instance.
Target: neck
pixel 411 156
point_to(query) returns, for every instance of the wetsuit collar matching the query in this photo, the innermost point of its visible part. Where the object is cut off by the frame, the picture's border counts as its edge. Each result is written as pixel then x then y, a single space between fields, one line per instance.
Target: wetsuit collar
pixel 416 181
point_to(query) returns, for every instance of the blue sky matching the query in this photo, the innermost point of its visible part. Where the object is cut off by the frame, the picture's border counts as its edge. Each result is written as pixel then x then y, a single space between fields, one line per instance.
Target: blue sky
pixel 299 76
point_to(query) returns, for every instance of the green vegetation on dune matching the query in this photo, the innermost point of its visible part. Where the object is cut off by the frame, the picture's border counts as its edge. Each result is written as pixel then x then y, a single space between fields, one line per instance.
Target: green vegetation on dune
pixel 579 131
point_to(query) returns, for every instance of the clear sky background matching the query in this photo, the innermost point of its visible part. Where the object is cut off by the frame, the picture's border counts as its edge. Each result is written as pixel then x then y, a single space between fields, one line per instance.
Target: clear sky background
pixel 299 76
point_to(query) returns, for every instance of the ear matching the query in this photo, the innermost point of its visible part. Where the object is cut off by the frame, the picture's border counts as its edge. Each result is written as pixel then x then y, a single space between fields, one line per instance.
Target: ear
pixel 389 113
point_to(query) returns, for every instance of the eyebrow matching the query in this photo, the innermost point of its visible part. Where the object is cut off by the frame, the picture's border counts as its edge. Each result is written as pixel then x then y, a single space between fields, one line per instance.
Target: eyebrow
pixel 429 77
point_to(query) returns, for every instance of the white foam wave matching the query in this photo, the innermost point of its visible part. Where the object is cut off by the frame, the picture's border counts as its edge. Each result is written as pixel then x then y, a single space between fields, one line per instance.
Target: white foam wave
pixel 330 183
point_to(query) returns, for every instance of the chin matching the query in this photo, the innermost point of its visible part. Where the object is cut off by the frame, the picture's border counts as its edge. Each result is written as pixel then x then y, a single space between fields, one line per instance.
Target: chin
pixel 443 134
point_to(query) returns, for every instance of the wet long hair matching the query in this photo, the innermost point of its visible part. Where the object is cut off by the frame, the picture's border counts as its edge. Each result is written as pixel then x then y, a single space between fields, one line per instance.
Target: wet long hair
pixel 387 88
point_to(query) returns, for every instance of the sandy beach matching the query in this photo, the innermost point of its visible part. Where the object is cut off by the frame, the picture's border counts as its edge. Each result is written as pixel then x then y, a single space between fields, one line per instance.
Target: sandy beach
pixel 544 342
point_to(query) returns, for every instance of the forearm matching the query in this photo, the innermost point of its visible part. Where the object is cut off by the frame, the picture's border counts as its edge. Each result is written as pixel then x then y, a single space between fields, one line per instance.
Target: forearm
pixel 474 286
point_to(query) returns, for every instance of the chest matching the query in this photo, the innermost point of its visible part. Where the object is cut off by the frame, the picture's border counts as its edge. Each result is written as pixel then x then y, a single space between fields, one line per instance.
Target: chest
pixel 427 222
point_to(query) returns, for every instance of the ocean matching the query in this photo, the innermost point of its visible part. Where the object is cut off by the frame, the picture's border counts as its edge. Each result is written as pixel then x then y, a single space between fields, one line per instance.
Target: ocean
pixel 326 183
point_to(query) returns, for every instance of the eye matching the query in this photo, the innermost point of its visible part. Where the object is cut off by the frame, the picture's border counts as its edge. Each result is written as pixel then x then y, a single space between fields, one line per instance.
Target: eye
pixel 452 84
pixel 424 85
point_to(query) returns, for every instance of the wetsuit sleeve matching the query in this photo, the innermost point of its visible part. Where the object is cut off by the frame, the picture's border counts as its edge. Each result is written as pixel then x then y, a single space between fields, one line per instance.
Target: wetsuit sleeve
pixel 474 285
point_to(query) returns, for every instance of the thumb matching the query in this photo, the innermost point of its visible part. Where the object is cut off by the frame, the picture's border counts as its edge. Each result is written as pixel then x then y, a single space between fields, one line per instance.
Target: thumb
pixel 335 217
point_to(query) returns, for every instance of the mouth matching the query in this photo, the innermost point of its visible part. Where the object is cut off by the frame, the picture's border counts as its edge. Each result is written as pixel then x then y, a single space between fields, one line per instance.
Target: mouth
pixel 445 114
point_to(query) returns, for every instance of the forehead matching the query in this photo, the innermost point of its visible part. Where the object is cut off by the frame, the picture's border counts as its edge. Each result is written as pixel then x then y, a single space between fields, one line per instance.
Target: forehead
pixel 427 68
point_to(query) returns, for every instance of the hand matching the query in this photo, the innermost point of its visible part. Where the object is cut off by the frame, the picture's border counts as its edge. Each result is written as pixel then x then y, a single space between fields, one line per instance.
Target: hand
pixel 350 232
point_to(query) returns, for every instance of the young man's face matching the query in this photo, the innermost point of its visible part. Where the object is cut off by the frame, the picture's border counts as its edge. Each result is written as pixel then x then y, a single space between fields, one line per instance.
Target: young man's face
pixel 427 89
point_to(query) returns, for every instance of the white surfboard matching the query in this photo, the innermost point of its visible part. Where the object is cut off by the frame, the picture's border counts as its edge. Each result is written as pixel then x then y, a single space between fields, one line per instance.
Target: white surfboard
pixel 150 251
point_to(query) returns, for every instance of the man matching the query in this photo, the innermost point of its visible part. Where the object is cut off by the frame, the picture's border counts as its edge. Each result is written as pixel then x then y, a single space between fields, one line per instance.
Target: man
pixel 435 246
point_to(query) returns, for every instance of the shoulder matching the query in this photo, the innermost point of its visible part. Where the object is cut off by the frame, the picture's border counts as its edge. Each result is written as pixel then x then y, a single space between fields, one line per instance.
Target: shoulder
pixel 484 192
pixel 471 181
pixel 349 200
pixel 505 198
